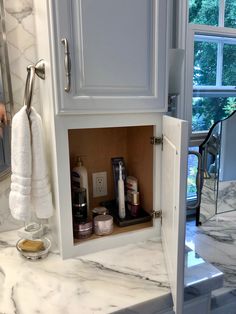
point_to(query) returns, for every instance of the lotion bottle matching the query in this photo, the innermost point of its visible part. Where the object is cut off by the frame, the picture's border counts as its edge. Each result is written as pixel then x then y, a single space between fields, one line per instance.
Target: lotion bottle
pixel 121 193
pixel 80 178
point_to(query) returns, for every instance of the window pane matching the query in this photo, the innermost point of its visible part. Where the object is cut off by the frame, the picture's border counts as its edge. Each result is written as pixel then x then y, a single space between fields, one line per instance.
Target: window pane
pixel 204 12
pixel 208 110
pixel 229 65
pixel 205 59
pixel 192 172
pixel 230 13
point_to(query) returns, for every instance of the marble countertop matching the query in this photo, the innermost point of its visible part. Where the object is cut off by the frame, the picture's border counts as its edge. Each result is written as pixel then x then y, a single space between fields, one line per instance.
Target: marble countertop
pixel 215 241
pixel 104 282
pixel 200 276
pixel 133 277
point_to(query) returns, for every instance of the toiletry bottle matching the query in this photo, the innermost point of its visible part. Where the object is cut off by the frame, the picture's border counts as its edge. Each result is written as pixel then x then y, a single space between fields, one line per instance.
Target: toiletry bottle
pixel 79 178
pixel 79 205
pixel 121 193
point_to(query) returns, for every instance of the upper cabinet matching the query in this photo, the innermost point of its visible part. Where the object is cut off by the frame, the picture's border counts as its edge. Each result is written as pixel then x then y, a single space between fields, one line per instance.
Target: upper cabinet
pixel 111 55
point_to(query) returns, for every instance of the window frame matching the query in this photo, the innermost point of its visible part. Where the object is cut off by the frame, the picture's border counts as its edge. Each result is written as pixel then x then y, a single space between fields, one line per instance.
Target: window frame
pixel 209 91
pixel 220 41
pixel 185 40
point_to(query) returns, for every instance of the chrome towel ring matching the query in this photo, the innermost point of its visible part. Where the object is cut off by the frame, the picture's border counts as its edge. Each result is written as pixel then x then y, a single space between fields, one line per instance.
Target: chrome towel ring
pixel 39 70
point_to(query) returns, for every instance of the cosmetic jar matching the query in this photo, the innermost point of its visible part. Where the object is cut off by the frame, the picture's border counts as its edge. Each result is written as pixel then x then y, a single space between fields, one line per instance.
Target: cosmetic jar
pixel 99 211
pixel 103 225
pixel 83 230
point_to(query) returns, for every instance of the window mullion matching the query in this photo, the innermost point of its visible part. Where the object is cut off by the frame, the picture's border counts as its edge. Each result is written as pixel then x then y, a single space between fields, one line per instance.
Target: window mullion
pixel 219 68
pixel 221 13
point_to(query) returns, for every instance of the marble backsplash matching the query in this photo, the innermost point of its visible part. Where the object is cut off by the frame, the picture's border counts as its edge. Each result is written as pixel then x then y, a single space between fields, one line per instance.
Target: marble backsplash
pixel 20 29
pixel 7 222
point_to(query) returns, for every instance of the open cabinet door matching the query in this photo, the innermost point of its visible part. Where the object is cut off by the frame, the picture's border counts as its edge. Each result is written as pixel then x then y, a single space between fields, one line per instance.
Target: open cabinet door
pixel 173 203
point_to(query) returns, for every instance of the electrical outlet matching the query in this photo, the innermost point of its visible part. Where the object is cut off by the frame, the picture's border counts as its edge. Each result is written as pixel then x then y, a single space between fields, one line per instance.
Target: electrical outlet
pixel 99 184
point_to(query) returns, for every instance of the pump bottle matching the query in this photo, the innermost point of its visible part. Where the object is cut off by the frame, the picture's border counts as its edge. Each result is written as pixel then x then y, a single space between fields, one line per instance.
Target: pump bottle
pixel 79 178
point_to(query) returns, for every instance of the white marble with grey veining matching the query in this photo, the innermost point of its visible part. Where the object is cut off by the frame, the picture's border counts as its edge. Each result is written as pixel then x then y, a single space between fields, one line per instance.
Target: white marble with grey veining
pixel 215 200
pixel 7 222
pixel 226 200
pixel 200 276
pixel 208 199
pixel 21 41
pixel 132 278
pixel 215 241
pixel 97 283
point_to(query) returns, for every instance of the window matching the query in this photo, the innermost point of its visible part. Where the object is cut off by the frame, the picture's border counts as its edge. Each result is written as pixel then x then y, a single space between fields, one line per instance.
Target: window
pixel 214 62
pixel 230 14
pixel 191 176
pixel 204 12
pixel 211 68
pixel 214 80
pixel 207 110
pixel 210 88
pixel 213 12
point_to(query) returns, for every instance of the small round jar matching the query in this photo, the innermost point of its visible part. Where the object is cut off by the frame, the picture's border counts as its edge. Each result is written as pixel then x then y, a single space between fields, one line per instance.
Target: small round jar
pixel 103 225
pixel 83 230
pixel 99 211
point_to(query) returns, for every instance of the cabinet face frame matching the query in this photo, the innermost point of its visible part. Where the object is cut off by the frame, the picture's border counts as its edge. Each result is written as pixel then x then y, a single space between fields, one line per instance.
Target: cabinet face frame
pixel 175 132
pixel 63 124
pixel 72 102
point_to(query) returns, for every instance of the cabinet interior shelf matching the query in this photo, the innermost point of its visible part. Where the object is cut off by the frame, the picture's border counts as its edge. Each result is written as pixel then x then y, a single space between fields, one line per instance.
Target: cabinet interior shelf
pixel 117 230
pixel 99 145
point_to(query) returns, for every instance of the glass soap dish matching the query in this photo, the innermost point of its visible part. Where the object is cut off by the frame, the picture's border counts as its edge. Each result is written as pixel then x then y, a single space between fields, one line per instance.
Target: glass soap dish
pixel 34 255
pixel 32 231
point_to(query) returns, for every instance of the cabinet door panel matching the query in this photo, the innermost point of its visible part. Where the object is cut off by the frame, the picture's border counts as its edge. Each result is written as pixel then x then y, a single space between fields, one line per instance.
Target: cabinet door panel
pixel 116 37
pixel 173 199
pixel 118 55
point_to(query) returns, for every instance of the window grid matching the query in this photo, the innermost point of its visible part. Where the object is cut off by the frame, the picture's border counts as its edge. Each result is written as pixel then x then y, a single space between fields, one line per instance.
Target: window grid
pixel 221 35
pixel 220 41
pixel 219 63
pixel 221 13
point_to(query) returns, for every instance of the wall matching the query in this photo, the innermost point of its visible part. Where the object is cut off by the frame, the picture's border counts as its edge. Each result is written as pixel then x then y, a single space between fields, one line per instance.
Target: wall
pixel 22 51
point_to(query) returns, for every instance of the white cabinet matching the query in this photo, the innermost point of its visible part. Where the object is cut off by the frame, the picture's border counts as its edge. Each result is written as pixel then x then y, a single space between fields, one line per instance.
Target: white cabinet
pixel 118 86
pixel 118 55
pixel 160 169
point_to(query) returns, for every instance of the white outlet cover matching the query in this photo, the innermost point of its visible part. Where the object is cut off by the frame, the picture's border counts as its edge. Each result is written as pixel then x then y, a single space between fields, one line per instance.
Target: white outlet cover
pixel 99 184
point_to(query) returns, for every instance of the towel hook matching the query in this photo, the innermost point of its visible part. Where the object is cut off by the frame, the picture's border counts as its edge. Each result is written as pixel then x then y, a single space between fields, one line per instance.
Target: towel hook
pixel 39 70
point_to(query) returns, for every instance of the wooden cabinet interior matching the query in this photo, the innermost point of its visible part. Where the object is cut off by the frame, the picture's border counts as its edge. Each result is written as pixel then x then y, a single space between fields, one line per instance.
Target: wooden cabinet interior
pixel 98 145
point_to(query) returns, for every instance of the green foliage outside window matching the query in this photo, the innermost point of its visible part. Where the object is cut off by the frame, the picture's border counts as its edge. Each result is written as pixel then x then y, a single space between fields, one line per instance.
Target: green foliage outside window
pixel 192 173
pixel 204 12
pixel 230 13
pixel 229 65
pixel 208 110
pixel 205 58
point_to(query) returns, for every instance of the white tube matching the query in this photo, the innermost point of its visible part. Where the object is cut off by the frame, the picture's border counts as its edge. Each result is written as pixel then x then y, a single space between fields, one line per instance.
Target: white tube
pixel 121 194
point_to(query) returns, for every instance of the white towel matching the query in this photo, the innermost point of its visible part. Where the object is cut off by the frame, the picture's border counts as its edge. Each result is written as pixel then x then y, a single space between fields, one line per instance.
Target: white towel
pixel 30 188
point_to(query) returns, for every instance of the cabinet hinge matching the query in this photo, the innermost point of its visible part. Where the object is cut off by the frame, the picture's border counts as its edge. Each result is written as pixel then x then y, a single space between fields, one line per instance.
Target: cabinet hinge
pixel 157 214
pixel 154 140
